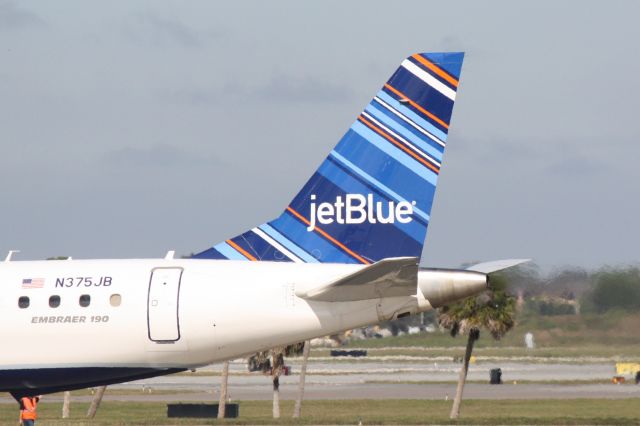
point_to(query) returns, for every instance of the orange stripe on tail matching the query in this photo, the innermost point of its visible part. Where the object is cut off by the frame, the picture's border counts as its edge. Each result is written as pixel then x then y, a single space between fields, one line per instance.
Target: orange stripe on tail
pixel 416 106
pixel 436 69
pixel 398 144
pixel 241 250
pixel 328 237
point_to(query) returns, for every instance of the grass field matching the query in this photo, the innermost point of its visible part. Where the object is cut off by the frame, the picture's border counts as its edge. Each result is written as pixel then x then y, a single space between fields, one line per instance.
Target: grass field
pixel 419 345
pixel 410 412
pixel 611 335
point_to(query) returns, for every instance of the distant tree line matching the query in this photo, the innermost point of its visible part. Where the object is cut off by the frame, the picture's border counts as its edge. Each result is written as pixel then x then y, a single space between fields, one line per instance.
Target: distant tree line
pixel 550 307
pixel 573 290
pixel 613 288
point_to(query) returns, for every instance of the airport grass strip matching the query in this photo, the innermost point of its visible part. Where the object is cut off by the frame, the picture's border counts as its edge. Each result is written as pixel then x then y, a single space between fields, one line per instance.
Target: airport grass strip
pixel 339 412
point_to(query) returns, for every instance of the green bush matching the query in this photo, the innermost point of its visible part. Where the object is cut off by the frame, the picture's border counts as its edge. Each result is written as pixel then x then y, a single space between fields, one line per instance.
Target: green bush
pixel 550 308
pixel 615 289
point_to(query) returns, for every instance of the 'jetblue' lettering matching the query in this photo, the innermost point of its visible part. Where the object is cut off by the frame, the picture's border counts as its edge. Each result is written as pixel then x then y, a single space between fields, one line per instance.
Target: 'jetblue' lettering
pixel 356 208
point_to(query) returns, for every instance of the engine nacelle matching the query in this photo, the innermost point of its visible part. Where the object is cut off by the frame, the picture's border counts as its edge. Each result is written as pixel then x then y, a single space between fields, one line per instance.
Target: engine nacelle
pixel 441 287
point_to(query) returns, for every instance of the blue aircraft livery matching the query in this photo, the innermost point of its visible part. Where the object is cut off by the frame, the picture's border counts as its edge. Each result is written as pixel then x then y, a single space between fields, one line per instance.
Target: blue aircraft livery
pixel 371 198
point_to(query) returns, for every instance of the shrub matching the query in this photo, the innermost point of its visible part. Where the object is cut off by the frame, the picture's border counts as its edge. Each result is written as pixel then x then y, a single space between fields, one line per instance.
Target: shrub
pixel 616 289
pixel 550 308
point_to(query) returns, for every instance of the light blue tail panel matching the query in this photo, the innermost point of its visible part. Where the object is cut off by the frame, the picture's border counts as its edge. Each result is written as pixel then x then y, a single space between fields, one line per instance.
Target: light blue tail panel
pixel 371 198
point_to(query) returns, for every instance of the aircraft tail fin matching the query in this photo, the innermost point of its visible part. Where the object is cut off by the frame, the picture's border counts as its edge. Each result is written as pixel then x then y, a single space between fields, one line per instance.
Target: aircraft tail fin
pixel 371 198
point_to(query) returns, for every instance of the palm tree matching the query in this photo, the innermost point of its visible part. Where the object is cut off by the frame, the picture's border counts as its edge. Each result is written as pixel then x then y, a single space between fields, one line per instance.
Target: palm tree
pixel 222 403
pixel 95 402
pixel 65 405
pixel 277 364
pixel 493 310
pixel 277 355
pixel 303 372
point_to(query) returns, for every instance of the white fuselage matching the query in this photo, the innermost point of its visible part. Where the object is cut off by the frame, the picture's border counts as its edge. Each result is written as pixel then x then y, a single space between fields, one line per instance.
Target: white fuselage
pixel 172 313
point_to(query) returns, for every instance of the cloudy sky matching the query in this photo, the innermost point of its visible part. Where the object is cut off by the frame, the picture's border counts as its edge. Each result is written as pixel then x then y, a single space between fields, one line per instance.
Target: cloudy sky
pixel 131 128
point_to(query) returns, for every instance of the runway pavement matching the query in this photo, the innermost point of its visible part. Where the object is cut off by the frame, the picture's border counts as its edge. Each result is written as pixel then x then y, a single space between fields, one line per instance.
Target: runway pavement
pixel 373 379
pixel 377 379
pixel 365 372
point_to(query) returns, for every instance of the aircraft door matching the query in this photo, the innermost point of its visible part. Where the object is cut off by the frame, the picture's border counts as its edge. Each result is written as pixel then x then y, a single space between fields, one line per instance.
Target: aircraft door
pixel 162 305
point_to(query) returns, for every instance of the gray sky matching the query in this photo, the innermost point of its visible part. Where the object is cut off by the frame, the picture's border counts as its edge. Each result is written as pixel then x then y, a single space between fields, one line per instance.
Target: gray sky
pixel 131 128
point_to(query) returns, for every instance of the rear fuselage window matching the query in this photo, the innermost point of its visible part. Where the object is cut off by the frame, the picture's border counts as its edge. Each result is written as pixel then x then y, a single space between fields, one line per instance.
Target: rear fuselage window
pixel 54 301
pixel 85 300
pixel 23 302
pixel 115 300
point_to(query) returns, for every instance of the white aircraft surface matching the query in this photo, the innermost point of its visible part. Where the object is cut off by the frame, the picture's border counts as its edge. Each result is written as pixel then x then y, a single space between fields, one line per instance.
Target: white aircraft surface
pixel 343 254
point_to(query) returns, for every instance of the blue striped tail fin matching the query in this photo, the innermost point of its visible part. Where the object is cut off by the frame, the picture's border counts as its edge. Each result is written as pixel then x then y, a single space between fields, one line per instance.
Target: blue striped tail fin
pixel 371 198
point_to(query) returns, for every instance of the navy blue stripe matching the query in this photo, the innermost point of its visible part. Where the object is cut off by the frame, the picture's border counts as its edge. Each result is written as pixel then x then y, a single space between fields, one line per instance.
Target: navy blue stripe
pixel 209 254
pixel 408 127
pixel 413 148
pixel 368 185
pixel 416 111
pixel 422 94
pixel 259 248
pixel 311 242
pixel 31 382
pixel 385 169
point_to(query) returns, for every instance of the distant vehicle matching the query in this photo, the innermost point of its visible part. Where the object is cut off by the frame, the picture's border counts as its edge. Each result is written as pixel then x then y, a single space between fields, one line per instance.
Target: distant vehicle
pixel 343 254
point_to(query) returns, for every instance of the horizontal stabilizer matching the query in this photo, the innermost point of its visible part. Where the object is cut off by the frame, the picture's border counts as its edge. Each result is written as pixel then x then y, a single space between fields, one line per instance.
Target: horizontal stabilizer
pixel 392 277
pixel 496 265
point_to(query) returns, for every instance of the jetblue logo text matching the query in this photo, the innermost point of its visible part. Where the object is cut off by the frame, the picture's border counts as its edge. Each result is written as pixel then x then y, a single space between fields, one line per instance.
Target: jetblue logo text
pixel 356 208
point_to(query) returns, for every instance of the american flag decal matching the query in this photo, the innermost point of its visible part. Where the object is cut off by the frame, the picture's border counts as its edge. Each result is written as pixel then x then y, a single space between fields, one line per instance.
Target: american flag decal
pixel 33 283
